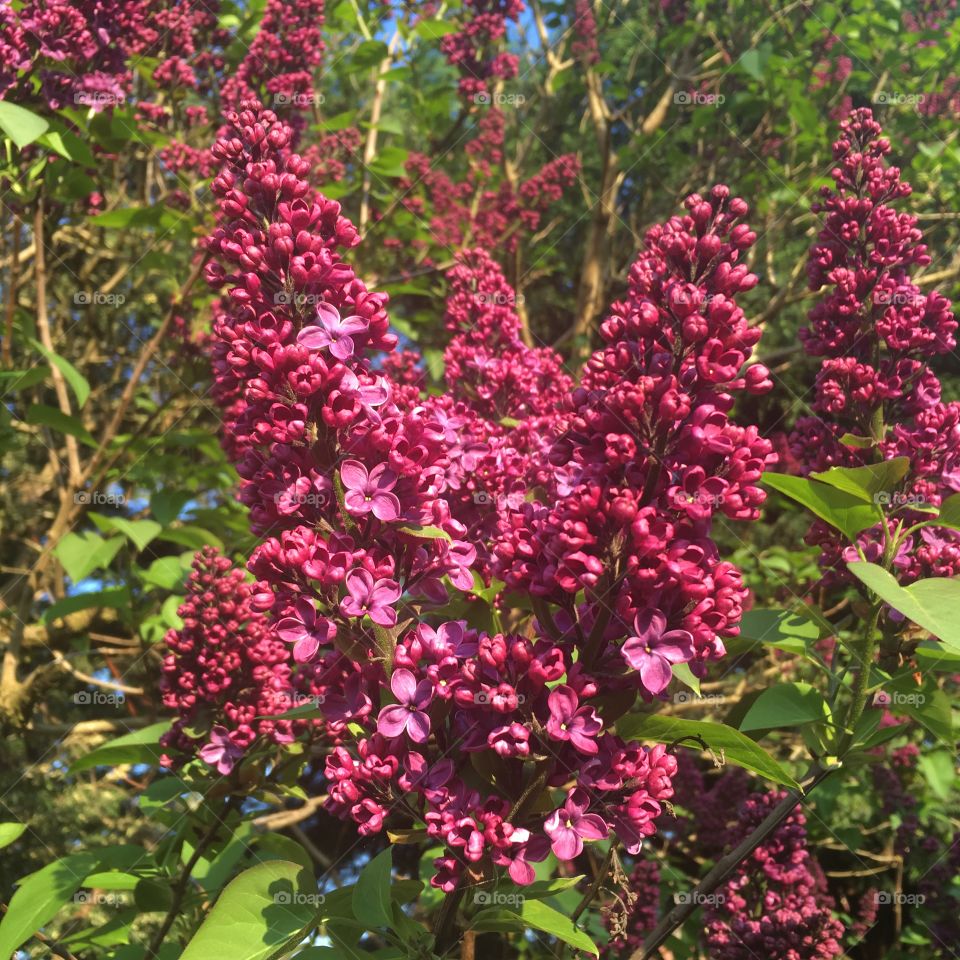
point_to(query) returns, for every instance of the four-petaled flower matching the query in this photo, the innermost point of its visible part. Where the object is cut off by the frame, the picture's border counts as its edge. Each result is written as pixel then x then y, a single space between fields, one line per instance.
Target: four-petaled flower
pixel 408 713
pixel 371 597
pixel 333 332
pixel 305 630
pixel 569 826
pixel 221 752
pixel 567 722
pixel 370 492
pixel 652 652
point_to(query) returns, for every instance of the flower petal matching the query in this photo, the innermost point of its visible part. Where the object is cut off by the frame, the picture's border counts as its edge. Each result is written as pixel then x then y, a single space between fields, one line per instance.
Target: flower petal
pixel 342 348
pixel 313 338
pixel 403 684
pixel 650 624
pixel 655 674
pixel 386 507
pixel 354 475
pixel 418 727
pixel 392 720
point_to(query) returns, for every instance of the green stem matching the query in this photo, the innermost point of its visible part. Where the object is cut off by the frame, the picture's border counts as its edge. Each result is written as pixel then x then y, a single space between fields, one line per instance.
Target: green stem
pixel 864 653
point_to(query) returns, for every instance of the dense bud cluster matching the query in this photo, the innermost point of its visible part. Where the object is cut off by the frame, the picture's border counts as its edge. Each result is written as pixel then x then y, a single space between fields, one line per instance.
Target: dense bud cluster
pixel 375 500
pixel 473 49
pixel 878 331
pixel 483 208
pixel 73 49
pixel 225 674
pixel 776 904
pixel 648 454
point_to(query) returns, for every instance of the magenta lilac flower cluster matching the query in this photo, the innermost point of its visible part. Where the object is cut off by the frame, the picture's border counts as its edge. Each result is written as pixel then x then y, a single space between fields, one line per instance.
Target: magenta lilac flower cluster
pixel 368 497
pixel 461 700
pixel 483 209
pixel 281 59
pixel 876 397
pixel 473 48
pixel 74 49
pixel 225 675
pixel 776 904
pixel 647 455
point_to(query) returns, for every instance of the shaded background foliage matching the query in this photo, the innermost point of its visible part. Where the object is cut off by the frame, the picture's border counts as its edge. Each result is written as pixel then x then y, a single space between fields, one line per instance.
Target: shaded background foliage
pixel 112 472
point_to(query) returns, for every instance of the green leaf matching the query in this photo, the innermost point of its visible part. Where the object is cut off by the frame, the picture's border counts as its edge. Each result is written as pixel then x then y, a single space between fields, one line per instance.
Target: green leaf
pixel 434 29
pixel 141 746
pixel 69 146
pixel 541 889
pixel 369 54
pixel 949 515
pixel 860 443
pixel 424 533
pixel 111 880
pixel 338 122
pixel 13 380
pixel 9 832
pixel 390 162
pixel 82 553
pixel 166 505
pixel 43 416
pixel 939 771
pixel 165 573
pixel 20 125
pixel 191 536
pixel 785 705
pixel 874 483
pixel 39 898
pixel 116 598
pixel 78 383
pixel 752 61
pixel 261 914
pixel 782 629
pixel 931 604
pixel 684 674
pixel 848 513
pixel 539 916
pixel 930 707
pixel 738 749
pixel 139 532
pixel 371 896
